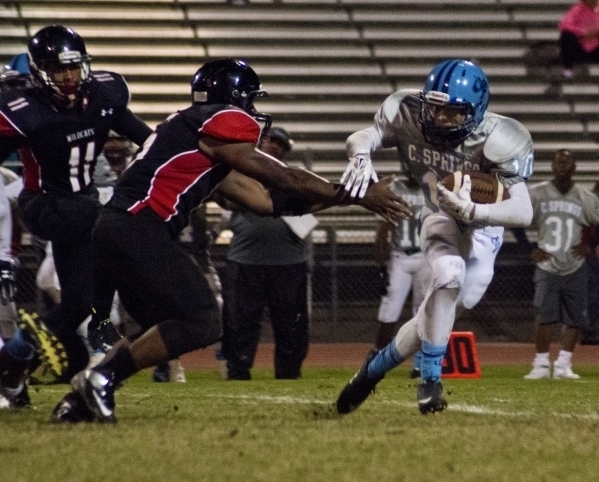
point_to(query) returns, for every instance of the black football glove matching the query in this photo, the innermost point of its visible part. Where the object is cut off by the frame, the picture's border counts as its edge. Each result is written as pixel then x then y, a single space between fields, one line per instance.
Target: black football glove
pixel 103 335
pixel 8 286
pixel 383 282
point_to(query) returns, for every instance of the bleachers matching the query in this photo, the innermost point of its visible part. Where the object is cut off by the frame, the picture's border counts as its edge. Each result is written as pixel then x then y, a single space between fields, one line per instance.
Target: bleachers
pixel 328 64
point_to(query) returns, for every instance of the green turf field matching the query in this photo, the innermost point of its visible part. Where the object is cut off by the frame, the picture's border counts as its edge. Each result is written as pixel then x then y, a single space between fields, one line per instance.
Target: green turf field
pixel 497 428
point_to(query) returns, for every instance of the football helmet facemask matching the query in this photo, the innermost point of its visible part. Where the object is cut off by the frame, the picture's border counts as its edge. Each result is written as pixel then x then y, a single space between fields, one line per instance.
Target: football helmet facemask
pixel 458 89
pixel 229 81
pixel 55 48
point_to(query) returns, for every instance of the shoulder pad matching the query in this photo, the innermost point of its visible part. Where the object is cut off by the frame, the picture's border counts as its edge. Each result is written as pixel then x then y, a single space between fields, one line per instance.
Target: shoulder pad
pixel 112 85
pixel 509 148
pixel 391 104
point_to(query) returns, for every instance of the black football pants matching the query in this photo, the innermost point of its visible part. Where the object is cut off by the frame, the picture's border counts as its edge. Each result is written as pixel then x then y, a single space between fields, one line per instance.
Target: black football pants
pixel 157 281
pixel 248 290
pixel 66 219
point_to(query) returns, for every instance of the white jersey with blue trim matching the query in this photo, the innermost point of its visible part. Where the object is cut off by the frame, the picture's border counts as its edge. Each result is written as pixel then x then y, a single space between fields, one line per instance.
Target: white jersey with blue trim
pixel 499 145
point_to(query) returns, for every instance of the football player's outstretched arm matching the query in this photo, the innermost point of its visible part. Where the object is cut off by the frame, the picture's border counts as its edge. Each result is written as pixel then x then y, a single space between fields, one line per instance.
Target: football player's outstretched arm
pixel 299 183
pixel 359 172
pixel 239 190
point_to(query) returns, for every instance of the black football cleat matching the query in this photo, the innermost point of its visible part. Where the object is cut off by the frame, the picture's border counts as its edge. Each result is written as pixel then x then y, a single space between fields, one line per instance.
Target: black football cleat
pixel 430 397
pixel 72 409
pixel 21 399
pixel 104 336
pixel 359 388
pixel 16 399
pixel 162 373
pixel 97 390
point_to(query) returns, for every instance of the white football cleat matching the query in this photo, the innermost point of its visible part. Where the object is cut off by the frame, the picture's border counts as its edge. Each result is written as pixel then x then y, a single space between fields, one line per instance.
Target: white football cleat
pixel 538 372
pixel 177 372
pixel 564 372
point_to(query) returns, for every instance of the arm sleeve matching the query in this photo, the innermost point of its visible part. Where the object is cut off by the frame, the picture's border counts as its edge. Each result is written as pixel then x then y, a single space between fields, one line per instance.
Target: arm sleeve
pixel 232 125
pixel 365 141
pixel 132 127
pixel 384 130
pixel 513 212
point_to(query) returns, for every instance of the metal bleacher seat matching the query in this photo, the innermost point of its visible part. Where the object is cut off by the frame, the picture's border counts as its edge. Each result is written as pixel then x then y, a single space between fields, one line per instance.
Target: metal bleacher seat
pixel 328 64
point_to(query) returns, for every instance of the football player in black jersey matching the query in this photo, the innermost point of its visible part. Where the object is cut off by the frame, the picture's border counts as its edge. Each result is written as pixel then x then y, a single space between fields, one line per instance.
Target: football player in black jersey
pixel 208 147
pixel 60 125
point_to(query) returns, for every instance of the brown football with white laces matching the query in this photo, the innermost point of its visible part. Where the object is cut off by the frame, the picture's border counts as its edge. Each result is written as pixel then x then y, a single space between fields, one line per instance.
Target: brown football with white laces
pixel 486 188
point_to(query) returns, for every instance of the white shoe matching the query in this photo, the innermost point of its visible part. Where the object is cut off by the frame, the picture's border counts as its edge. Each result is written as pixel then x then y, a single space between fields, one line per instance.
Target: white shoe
pixel 4 403
pixel 564 372
pixel 177 372
pixel 223 371
pixel 538 372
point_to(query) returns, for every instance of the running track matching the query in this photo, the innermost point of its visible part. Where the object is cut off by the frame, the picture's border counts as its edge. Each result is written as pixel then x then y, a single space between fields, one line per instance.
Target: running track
pixel 352 354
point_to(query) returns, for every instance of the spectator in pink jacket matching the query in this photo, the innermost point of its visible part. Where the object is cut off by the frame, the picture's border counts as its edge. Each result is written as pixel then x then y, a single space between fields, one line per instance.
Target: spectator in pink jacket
pixel 579 35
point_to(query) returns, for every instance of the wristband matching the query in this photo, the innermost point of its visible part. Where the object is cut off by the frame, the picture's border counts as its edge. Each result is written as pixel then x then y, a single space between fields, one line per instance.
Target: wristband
pixel 283 203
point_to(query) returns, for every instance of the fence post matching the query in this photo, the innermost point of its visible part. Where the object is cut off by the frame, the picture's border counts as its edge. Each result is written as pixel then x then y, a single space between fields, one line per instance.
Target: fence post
pixel 310 261
pixel 332 239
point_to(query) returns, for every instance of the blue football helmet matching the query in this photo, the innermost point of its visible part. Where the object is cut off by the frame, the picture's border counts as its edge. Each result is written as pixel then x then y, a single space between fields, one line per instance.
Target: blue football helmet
pixel 457 84
pixel 15 74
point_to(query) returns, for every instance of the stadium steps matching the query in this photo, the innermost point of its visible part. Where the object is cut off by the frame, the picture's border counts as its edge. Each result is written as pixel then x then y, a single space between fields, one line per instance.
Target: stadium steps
pixel 329 64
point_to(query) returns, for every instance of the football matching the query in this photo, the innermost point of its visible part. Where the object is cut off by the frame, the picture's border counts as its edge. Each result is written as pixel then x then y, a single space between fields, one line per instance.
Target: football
pixel 486 188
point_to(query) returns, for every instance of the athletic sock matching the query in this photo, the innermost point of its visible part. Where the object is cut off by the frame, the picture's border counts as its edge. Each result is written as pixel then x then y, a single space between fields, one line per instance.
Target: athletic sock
pixel 564 358
pixel 417 360
pixel 541 360
pixel 385 360
pixel 432 361
pixel 120 364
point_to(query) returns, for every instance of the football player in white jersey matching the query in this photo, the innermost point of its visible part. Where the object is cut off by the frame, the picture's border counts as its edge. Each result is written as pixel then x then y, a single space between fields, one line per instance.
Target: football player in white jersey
pixel 561 209
pixel 403 266
pixel 443 128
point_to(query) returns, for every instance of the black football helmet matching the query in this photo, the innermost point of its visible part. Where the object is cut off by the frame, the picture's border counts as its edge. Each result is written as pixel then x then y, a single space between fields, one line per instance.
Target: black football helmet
pixel 53 47
pixel 229 81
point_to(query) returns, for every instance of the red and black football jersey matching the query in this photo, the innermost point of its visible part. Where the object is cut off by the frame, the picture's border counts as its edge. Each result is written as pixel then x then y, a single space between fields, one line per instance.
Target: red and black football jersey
pixel 170 175
pixel 59 148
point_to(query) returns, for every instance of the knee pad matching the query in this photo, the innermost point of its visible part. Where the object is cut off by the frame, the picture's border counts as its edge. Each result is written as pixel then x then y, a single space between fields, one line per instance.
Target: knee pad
pixel 448 272
pixel 474 290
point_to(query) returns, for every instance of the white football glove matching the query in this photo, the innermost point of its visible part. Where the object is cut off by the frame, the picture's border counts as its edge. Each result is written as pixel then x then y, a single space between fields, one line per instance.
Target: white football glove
pixel 458 205
pixel 358 174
